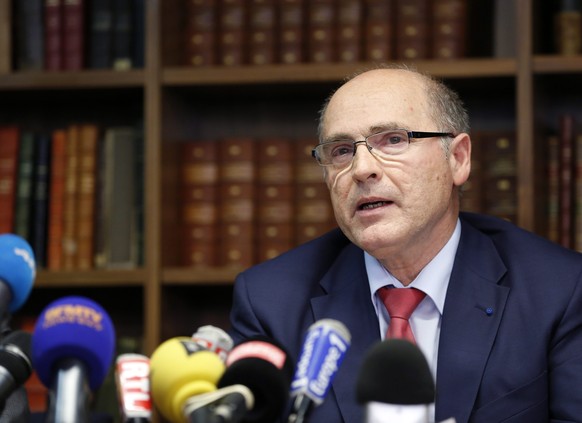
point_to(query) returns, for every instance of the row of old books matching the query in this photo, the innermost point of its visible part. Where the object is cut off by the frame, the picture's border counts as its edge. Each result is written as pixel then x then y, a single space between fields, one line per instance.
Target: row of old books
pixel 564 183
pixel 492 185
pixel 75 194
pixel 258 32
pixel 246 200
pixel 57 35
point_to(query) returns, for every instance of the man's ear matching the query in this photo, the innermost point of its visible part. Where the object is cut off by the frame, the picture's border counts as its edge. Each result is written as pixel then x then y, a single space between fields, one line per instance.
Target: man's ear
pixel 460 158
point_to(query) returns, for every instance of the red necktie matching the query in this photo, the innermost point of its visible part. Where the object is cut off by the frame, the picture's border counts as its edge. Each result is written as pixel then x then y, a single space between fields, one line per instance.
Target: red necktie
pixel 400 303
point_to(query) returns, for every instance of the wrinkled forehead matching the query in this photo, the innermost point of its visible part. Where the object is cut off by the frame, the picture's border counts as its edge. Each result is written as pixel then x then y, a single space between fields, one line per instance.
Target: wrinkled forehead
pixel 374 97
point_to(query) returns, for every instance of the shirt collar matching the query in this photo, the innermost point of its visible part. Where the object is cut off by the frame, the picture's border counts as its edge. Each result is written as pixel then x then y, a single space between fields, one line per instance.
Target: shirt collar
pixel 433 279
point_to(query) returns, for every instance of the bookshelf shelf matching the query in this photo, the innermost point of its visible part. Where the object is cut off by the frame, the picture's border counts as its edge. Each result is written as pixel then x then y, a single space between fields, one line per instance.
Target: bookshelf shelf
pixel 71 80
pixel 466 68
pixel 552 64
pixel 90 278
pixel 199 276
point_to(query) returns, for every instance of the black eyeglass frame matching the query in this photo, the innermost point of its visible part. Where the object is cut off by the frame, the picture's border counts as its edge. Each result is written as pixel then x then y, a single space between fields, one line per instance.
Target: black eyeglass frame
pixel 410 134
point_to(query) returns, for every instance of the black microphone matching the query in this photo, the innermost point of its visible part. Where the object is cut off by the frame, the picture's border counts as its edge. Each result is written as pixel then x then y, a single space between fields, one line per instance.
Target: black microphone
pixel 324 348
pixel 15 362
pixel 395 383
pixel 263 366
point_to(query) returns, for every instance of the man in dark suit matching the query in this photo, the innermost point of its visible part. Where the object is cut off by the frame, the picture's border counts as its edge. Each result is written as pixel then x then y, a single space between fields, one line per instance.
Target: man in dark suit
pixel 501 322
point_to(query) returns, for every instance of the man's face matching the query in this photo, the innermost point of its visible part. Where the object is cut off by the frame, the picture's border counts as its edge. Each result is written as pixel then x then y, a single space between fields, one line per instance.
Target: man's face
pixel 396 205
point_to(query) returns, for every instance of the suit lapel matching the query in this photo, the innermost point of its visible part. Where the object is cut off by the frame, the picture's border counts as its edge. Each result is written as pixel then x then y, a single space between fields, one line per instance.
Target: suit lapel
pixel 472 313
pixel 348 301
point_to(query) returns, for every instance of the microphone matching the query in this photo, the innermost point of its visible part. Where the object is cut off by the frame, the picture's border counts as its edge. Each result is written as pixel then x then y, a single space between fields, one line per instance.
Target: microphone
pixel 179 370
pixel 323 351
pixel 17 272
pixel 15 362
pixel 395 383
pixel 213 339
pixel 72 349
pixel 263 367
pixel 132 377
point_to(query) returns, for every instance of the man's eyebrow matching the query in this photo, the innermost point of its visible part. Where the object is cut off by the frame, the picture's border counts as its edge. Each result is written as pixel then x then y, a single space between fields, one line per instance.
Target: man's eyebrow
pixel 385 126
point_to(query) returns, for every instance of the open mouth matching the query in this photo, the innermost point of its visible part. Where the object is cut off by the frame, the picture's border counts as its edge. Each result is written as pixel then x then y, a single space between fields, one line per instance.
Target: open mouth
pixel 374 205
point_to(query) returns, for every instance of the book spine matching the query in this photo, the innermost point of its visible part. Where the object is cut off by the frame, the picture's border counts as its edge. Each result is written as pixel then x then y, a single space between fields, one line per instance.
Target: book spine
pixel 24 185
pixel 9 146
pixel 412 29
pixel 500 173
pixel 261 29
pixel 349 31
pixel 29 35
pixel 553 175
pixel 53 35
pixel 6 36
pixel 40 200
pixel 568 28
pixel 87 165
pixel 237 186
pixel 100 34
pixel 449 29
pixel 321 38
pixel 232 31
pixel 70 213
pixel 122 34
pixel 199 203
pixel 201 33
pixel 138 33
pixel 566 179
pixel 378 30
pixel 275 198
pixel 291 43
pixel 74 34
pixel 313 210
pixel 56 199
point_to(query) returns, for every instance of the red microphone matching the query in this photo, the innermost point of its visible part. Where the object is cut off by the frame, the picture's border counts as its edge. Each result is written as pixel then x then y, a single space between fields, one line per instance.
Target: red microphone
pixel 132 377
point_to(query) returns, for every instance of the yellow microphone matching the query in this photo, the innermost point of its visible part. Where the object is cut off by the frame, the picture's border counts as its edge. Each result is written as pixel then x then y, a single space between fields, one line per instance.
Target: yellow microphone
pixel 179 370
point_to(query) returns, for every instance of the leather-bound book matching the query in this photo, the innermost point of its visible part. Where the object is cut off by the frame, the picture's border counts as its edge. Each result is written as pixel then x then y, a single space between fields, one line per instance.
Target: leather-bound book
pixel 57 178
pixel 70 199
pixel 237 192
pixel 29 35
pixel 378 30
pixel 9 146
pixel 74 30
pixel 412 29
pixel 232 30
pixel 553 187
pixel 87 175
pixel 566 187
pixel 568 27
pixel 201 33
pixel 349 31
pixel 449 29
pixel 53 35
pixel 313 211
pixel 262 32
pixel 275 197
pixel 498 149
pixel 292 19
pixel 199 203
pixel 321 31
pixel 100 55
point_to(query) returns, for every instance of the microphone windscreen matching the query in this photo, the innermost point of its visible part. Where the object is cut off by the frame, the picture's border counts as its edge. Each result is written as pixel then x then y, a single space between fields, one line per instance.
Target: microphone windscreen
pixel 73 327
pixel 179 370
pixel 15 352
pixel 263 366
pixel 17 268
pixel 395 371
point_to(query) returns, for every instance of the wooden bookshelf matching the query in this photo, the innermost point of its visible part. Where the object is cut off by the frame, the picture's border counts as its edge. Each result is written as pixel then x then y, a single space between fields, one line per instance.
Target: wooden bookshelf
pixel 178 103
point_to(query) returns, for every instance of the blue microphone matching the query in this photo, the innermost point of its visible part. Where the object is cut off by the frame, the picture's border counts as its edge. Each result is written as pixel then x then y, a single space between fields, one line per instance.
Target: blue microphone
pixel 17 272
pixel 324 348
pixel 72 350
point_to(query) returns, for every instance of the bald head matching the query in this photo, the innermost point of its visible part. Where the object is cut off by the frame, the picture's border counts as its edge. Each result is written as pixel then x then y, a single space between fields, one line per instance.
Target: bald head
pixel 442 105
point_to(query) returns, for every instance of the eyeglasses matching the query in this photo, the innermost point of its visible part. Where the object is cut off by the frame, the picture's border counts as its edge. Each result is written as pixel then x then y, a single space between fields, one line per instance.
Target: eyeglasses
pixel 339 153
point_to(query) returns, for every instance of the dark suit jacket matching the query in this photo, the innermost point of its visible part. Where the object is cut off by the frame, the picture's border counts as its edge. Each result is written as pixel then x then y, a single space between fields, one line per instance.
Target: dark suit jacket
pixel 519 362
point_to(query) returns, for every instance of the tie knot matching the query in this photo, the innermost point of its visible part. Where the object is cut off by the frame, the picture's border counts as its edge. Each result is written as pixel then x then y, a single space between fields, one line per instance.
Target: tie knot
pixel 400 302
